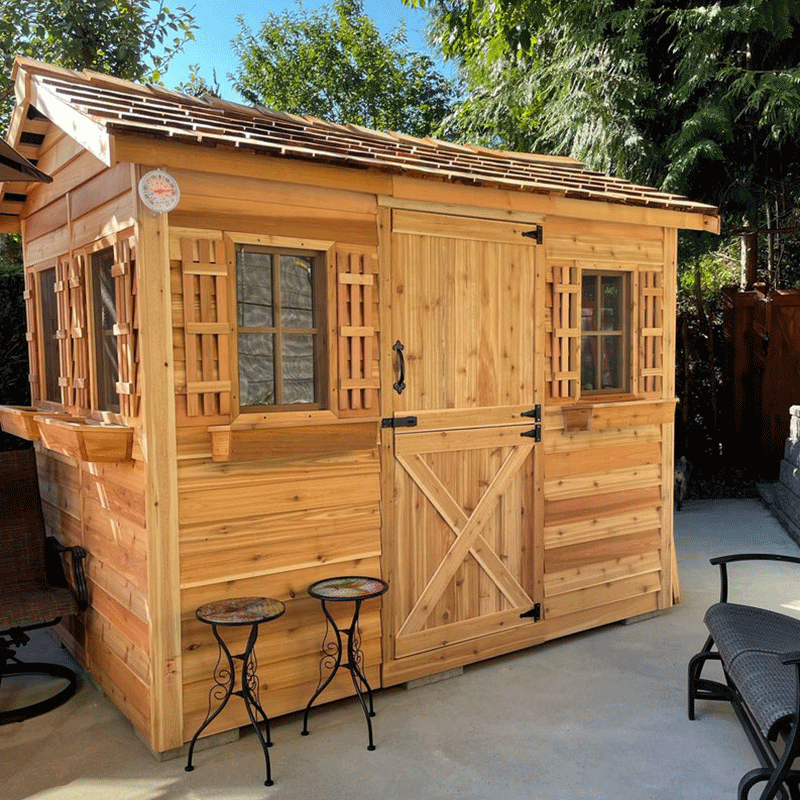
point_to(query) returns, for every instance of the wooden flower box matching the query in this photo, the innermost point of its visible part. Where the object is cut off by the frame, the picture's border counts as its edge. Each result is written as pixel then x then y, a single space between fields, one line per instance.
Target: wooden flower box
pixel 21 421
pixel 84 440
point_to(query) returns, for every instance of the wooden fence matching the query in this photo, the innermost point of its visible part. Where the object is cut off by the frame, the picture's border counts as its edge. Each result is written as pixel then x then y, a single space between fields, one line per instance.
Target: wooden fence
pixel 762 369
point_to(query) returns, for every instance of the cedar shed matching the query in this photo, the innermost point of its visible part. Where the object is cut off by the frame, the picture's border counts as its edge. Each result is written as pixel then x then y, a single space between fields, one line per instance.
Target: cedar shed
pixel 342 351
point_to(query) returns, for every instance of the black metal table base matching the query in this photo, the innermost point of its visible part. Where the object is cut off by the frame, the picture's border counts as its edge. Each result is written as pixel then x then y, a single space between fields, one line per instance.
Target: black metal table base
pixel 224 689
pixel 333 660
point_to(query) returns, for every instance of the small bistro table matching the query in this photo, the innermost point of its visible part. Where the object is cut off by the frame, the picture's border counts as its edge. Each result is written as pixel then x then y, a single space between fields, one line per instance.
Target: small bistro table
pixel 252 611
pixel 355 589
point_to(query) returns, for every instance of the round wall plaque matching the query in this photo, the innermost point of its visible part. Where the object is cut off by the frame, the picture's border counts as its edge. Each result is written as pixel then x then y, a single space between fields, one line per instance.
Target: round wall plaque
pixel 159 191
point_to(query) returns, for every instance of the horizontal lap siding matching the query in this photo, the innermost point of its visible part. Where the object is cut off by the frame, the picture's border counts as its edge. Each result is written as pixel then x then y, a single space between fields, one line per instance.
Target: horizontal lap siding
pixel 101 507
pixel 603 517
pixel 270 528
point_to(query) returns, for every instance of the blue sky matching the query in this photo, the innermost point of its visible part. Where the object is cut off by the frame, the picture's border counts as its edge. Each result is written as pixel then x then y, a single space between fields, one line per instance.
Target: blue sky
pixel 217 26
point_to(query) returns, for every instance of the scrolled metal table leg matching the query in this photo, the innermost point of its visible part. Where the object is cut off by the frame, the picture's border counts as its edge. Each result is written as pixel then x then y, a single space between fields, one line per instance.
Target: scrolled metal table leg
pixel 337 662
pixel 221 682
pixel 249 693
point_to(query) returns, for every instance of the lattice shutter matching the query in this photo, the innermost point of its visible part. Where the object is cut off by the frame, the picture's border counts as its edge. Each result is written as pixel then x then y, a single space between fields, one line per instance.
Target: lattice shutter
pixel 566 332
pixel 78 333
pixel 651 333
pixel 206 327
pixel 30 315
pixel 358 379
pixel 126 329
pixel 61 289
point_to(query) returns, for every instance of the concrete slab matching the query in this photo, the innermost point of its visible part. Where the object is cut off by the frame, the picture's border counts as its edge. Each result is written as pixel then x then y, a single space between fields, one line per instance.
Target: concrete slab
pixel 597 715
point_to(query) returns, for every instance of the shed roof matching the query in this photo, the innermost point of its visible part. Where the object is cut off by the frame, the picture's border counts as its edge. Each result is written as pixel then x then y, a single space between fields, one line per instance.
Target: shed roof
pixel 105 107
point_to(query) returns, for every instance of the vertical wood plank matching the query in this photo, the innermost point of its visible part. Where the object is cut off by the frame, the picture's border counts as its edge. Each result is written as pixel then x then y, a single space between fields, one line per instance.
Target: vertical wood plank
pixel 671 592
pixel 189 315
pixel 160 453
pixel 223 316
pixel 29 296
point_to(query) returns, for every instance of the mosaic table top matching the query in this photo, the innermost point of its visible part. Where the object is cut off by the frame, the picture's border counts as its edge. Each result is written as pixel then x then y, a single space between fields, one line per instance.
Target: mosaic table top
pixel 240 611
pixel 348 588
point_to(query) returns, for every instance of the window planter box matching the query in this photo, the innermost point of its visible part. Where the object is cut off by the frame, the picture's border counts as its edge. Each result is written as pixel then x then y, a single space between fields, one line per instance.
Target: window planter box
pixel 21 421
pixel 86 441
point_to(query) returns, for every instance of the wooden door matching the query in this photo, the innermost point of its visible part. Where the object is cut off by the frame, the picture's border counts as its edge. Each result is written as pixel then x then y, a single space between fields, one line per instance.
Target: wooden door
pixel 462 542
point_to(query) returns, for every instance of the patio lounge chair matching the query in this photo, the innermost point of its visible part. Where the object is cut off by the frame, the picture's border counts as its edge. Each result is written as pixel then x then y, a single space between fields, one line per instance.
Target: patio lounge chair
pixel 33 589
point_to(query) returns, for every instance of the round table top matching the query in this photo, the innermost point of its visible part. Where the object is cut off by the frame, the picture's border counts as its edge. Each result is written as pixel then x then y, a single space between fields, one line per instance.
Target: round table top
pixel 240 611
pixel 352 587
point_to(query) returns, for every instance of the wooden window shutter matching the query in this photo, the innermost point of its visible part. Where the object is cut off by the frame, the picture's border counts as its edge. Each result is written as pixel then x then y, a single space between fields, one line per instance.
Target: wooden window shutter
pixel 565 338
pixel 33 355
pixel 357 326
pixel 204 267
pixel 651 332
pixel 77 330
pixel 126 329
pixel 62 334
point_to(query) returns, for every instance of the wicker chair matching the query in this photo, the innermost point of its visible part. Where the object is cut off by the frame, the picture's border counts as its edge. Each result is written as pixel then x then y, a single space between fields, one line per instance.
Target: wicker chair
pixel 33 589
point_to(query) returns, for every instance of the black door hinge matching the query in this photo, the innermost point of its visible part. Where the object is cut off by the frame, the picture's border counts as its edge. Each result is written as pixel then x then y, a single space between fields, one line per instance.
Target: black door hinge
pixel 535 234
pixel 534 433
pixel 535 613
pixel 399 422
pixel 535 413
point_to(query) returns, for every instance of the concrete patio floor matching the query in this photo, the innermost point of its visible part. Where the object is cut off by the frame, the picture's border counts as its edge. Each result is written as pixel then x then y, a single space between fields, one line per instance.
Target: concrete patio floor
pixel 596 715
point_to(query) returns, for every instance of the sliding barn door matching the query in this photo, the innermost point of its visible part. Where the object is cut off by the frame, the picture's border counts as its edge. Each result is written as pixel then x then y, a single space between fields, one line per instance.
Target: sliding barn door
pixel 461 542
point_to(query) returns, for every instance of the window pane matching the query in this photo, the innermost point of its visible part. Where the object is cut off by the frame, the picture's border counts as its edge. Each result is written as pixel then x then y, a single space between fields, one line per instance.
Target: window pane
pixel 47 283
pixel 298 369
pixel 254 289
pixel 589 303
pixel 611 363
pixel 611 293
pixel 104 305
pixel 256 369
pixel 297 299
pixel 589 363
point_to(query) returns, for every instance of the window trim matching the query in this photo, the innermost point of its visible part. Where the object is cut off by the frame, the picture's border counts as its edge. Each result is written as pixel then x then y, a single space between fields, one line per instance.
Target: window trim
pixel 325 306
pixel 95 370
pixel 42 337
pixel 627 332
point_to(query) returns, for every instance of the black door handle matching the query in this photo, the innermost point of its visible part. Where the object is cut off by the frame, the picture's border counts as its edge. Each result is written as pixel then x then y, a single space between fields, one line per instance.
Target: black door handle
pixel 400 383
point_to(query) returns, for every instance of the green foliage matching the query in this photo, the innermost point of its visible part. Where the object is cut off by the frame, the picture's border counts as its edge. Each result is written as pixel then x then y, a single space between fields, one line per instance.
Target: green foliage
pixel 702 99
pixel 334 63
pixel 709 272
pixel 132 39
pixel 197 85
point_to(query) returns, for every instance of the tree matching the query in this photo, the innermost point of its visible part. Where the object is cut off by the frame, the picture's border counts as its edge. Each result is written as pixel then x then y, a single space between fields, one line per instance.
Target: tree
pixel 701 99
pixel 132 39
pixel 334 63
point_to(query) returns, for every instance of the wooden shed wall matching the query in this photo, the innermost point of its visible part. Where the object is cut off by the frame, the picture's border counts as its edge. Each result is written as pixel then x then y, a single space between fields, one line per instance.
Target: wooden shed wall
pixel 608 461
pixel 98 506
pixel 269 526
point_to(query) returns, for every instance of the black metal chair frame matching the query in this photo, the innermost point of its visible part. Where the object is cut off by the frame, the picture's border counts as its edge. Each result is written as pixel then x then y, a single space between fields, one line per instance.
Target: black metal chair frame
pixel 776 765
pixel 15 636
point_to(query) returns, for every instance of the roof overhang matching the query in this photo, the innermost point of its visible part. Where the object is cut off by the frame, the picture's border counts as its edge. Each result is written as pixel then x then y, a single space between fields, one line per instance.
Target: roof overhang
pixel 15 167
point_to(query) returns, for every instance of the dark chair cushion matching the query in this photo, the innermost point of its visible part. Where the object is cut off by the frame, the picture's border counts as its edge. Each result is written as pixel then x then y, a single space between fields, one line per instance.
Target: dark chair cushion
pixel 751 642
pixel 769 689
pixel 35 606
pixel 737 629
pixel 22 546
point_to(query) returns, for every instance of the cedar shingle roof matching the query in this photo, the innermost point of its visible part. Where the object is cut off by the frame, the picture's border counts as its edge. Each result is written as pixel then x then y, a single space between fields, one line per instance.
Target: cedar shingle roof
pixel 121 107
